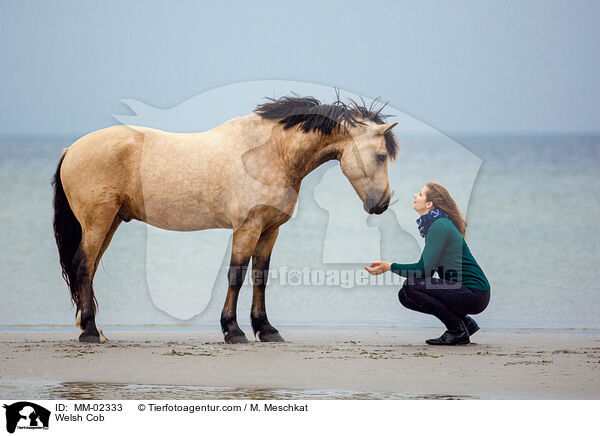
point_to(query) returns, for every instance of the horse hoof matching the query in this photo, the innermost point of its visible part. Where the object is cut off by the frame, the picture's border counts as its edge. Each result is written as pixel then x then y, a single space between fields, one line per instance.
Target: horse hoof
pixel 93 339
pixel 271 337
pixel 238 339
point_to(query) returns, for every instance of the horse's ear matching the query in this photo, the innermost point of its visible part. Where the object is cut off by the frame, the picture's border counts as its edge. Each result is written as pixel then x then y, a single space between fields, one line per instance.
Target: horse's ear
pixel 385 128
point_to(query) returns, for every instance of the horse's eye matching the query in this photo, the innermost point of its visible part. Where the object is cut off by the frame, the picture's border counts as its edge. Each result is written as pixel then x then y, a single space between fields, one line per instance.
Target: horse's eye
pixel 381 158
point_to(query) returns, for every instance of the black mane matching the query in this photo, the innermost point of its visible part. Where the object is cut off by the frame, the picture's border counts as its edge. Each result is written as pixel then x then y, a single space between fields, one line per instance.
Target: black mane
pixel 310 115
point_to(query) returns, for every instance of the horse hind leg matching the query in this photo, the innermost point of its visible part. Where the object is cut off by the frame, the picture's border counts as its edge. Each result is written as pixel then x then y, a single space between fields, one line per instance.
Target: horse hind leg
pixel 94 241
pixel 117 221
pixel 113 228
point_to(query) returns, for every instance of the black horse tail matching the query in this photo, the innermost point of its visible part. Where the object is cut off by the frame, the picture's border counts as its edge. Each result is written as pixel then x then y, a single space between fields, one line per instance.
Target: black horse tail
pixel 67 232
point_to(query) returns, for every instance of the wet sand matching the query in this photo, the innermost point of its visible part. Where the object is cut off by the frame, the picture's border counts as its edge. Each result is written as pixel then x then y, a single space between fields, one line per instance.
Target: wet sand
pixel 343 364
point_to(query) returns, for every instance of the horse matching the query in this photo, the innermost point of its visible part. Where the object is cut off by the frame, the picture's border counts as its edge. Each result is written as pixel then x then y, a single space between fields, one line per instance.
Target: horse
pixel 243 175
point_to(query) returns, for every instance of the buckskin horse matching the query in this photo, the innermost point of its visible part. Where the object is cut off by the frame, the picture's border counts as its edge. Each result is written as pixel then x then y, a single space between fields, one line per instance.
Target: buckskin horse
pixel 243 175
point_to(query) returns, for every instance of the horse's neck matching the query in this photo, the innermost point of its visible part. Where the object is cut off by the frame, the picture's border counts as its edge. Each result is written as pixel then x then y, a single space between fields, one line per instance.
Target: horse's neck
pixel 303 152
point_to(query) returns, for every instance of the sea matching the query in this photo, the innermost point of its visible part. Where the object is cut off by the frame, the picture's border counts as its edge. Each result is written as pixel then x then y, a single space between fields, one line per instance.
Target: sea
pixel 532 203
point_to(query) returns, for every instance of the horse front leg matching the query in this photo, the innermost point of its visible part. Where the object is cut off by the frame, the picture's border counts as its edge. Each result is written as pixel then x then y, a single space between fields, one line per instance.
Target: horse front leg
pixel 244 241
pixel 260 273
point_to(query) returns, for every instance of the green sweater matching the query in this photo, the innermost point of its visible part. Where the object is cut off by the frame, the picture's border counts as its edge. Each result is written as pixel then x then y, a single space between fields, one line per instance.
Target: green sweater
pixel 446 252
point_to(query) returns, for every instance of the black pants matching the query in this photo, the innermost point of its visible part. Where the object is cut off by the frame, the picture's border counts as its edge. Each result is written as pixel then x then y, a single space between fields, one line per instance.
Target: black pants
pixel 449 302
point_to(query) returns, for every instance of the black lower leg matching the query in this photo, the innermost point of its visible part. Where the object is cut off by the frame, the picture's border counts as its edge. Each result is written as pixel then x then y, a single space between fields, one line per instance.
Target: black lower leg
pixel 258 316
pixel 231 330
pixel 86 307
pixel 87 323
pixel 263 328
pixel 90 332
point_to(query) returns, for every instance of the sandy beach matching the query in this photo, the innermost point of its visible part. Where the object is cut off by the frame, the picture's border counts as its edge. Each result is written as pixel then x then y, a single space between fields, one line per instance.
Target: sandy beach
pixel 384 363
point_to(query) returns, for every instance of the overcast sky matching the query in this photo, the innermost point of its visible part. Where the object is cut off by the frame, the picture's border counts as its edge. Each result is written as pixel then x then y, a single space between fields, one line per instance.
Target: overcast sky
pixel 461 67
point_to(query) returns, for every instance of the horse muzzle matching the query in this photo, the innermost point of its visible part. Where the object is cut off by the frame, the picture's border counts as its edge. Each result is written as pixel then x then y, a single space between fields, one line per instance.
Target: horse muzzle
pixel 377 208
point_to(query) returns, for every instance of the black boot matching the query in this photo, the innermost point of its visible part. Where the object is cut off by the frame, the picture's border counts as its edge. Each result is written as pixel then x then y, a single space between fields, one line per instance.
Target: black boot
pixel 471 325
pixel 459 336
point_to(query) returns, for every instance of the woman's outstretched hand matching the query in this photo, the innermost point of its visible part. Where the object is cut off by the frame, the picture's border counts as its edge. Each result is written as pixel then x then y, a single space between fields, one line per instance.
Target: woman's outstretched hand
pixel 378 267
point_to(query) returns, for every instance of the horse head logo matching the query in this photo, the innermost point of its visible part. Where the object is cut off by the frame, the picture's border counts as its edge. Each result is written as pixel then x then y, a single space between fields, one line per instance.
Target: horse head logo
pixel 27 415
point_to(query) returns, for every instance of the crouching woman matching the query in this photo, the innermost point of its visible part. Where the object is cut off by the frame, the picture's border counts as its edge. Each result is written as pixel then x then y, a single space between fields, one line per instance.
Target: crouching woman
pixel 462 288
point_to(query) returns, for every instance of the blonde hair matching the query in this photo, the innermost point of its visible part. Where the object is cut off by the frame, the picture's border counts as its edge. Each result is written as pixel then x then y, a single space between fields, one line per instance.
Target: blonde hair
pixel 442 199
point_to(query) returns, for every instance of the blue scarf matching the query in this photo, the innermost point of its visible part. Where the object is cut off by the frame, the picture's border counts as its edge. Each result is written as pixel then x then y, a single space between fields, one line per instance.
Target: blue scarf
pixel 425 221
